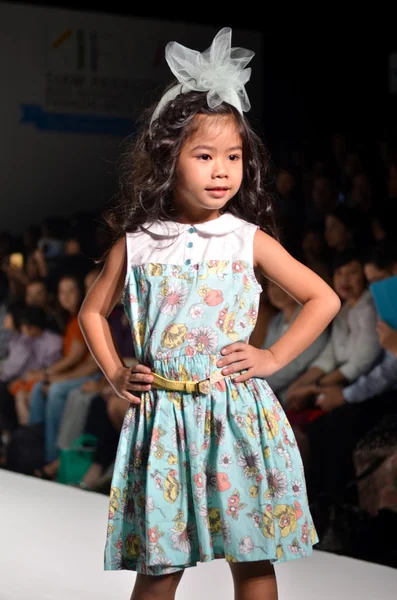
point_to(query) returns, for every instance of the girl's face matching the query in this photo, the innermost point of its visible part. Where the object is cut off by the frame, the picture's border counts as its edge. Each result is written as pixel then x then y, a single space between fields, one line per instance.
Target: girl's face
pixel 210 168
pixel 349 281
pixel 336 233
pixel 69 295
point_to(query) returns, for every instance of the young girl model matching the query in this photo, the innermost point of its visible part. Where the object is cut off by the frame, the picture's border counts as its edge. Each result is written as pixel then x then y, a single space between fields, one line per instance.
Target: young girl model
pixel 207 465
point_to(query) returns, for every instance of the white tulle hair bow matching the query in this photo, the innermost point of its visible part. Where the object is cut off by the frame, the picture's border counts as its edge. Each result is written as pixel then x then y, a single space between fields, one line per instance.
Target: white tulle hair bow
pixel 219 70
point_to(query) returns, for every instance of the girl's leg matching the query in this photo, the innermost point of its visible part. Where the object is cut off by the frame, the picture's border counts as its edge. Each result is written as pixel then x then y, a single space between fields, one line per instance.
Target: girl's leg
pixel 254 581
pixel 156 587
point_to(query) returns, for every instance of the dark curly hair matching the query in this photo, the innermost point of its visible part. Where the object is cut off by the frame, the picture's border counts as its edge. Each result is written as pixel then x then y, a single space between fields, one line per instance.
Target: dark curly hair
pixel 147 169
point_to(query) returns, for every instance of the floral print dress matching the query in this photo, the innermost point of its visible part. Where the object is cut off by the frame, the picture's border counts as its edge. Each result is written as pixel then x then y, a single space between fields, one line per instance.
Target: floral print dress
pixel 201 477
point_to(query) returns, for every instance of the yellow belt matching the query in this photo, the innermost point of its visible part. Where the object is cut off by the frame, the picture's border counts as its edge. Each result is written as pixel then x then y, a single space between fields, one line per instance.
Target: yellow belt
pixel 190 387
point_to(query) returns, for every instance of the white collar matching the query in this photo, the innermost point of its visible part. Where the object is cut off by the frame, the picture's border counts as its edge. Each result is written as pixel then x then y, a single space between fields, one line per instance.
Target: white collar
pixel 222 225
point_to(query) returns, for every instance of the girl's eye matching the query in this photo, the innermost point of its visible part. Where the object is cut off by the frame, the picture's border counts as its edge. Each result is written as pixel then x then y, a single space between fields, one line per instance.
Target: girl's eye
pixel 204 156
pixel 234 157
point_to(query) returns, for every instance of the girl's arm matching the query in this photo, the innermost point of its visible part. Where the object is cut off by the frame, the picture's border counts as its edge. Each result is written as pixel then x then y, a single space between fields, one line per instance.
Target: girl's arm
pixel 319 301
pixel 97 306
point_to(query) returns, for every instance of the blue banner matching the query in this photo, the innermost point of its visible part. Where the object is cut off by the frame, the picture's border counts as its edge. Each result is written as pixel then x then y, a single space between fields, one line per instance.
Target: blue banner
pixel 75 123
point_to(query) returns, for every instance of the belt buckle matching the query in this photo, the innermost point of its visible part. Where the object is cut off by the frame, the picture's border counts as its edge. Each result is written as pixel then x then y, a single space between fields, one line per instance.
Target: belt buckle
pixel 205 385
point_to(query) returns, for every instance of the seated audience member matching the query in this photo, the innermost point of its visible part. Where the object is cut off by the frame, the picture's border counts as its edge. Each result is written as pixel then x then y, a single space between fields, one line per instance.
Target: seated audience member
pixel 31 347
pixel 105 420
pixel 79 399
pixel 288 311
pixel 36 294
pixel 353 347
pixel 346 228
pixel 107 403
pixel 324 197
pixel 314 251
pixel 49 396
pixel 19 355
pixel 351 411
pixel 46 349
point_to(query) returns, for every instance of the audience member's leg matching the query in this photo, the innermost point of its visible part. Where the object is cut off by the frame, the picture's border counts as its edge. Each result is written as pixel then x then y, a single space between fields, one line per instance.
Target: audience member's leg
pixel 74 417
pixel 100 423
pixel 333 438
pixel 56 399
pixel 96 417
pixel 37 405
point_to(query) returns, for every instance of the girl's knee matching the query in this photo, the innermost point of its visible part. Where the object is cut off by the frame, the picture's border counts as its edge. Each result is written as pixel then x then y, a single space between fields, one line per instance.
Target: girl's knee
pixel 244 571
pixel 158 586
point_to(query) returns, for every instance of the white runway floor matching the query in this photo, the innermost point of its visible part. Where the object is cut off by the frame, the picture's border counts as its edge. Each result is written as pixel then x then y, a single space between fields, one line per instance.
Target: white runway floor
pixel 52 540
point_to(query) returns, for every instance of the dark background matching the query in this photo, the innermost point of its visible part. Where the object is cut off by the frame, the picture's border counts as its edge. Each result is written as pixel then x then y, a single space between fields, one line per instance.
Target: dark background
pixel 326 67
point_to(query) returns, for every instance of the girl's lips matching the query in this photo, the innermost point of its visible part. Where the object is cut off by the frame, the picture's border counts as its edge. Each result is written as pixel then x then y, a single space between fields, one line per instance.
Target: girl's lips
pixel 217 192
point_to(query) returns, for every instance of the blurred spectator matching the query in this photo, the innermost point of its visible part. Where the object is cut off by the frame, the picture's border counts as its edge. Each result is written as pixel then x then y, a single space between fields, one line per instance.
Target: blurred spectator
pixel 351 411
pixel 73 261
pixel 324 197
pixel 49 396
pixel 361 192
pixel 346 228
pixel 36 294
pixel 353 347
pixel 45 348
pixel 288 311
pixel 79 400
pixel 314 251
pixel 31 239
pixel 18 354
pixel 289 205
pixel 381 262
pixel 383 220
pixel 339 228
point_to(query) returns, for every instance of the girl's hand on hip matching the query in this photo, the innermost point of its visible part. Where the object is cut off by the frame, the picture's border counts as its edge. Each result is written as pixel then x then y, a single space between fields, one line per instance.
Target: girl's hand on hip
pixel 240 356
pixel 132 379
